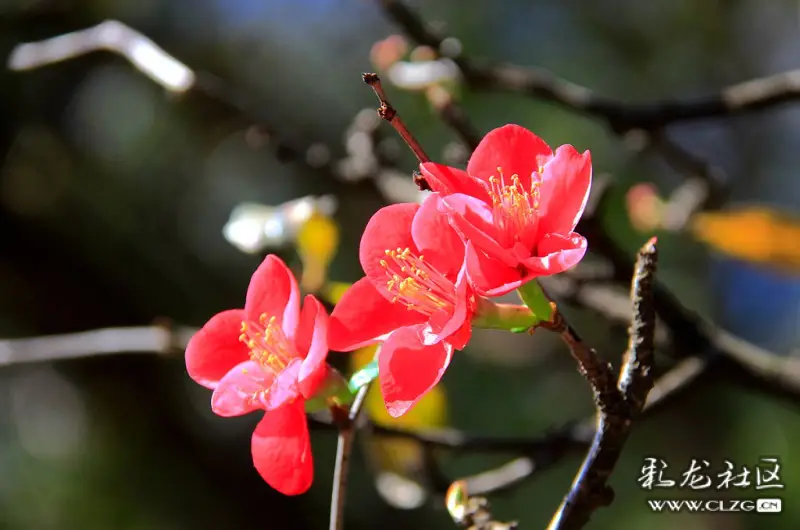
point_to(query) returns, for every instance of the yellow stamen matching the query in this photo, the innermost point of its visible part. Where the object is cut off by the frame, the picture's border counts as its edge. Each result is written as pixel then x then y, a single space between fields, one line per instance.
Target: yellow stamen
pixel 515 208
pixel 416 283
pixel 268 345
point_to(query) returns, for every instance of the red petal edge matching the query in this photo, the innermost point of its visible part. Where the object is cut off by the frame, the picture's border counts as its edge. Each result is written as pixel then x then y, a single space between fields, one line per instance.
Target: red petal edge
pixel 273 290
pixel 215 348
pixel 408 370
pixel 281 449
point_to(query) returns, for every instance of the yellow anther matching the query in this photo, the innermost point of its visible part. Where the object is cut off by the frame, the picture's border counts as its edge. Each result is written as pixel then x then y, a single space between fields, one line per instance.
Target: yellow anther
pixel 267 343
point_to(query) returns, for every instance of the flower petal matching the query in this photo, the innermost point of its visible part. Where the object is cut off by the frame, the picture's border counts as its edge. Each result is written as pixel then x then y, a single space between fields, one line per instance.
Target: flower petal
pixel 242 390
pixel 488 276
pixel 443 326
pixel 435 238
pixel 408 370
pixel 447 180
pixel 312 342
pixel 216 348
pixel 556 253
pixel 566 181
pixel 513 148
pixel 473 221
pixel 281 450
pixel 388 229
pixel 363 316
pixel 273 290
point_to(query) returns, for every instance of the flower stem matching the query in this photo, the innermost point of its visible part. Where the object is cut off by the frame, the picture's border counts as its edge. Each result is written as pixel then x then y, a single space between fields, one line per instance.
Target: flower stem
pixel 536 299
pixel 333 391
pixel 503 316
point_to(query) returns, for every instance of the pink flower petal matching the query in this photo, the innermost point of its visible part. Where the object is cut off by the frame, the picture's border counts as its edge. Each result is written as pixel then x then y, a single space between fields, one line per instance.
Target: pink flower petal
pixel 216 348
pixel 363 316
pixel 488 276
pixel 388 229
pixel 566 181
pixel 514 149
pixel 473 221
pixel 273 290
pixel 448 180
pixel 443 325
pixel 242 390
pixel 556 253
pixel 312 342
pixel 281 450
pixel 435 238
pixel 408 370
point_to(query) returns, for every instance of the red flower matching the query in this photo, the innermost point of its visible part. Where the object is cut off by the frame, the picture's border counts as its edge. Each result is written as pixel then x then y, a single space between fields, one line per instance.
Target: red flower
pixel 269 356
pixel 516 206
pixel 415 298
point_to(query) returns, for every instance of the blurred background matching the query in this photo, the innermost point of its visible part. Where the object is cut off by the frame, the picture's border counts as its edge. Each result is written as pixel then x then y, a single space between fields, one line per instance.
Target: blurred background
pixel 114 193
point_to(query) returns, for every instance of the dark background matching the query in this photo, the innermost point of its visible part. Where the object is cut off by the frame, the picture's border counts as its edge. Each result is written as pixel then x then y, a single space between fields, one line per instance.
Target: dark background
pixel 113 195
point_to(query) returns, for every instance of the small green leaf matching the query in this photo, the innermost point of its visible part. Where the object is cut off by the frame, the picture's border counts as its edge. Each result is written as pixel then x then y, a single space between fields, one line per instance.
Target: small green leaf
pixel 363 376
pixel 522 329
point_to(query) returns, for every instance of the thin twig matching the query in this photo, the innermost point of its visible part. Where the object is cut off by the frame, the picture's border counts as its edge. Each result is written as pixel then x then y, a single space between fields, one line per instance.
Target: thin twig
pixel 597 372
pixel 636 377
pixel 589 490
pixel 156 339
pixel 346 424
pixel 748 96
pixel 388 113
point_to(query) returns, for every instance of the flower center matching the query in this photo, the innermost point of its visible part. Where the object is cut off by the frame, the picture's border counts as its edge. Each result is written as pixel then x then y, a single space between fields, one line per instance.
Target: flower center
pixel 267 342
pixel 418 284
pixel 514 208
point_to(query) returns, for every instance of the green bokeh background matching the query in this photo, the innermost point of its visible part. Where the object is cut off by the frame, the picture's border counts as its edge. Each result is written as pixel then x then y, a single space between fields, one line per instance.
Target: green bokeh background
pixel 113 195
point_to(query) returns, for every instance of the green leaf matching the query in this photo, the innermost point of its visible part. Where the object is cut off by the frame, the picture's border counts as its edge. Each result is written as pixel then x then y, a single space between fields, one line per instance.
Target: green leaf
pixel 523 329
pixel 363 376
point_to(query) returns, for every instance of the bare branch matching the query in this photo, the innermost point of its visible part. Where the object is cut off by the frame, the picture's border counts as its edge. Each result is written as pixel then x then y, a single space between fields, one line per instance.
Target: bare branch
pixel 112 36
pixel 748 96
pixel 345 421
pixel 589 490
pixel 389 114
pixel 636 378
pixel 156 339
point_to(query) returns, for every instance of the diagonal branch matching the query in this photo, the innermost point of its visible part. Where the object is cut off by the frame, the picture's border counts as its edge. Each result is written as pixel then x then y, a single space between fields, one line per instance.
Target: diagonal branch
pixel 748 96
pixel 590 491
pixel 346 422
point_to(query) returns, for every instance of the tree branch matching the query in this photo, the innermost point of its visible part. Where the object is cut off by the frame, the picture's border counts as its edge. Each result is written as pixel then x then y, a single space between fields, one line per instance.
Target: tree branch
pixel 616 408
pixel 388 113
pixel 748 96
pixel 345 422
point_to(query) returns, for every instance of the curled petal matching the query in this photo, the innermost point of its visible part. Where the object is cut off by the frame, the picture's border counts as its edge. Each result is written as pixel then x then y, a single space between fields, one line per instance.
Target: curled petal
pixel 364 316
pixel 490 277
pixel 281 450
pixel 447 180
pixel 566 181
pixel 273 290
pixel 513 148
pixel 215 349
pixel 444 326
pixel 242 390
pixel 409 369
pixel 312 342
pixel 388 229
pixel 556 253
pixel 435 238
pixel 473 221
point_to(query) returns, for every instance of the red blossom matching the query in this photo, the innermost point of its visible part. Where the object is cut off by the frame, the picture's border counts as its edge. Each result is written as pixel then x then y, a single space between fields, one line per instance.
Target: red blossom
pixel 268 356
pixel 415 298
pixel 516 206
